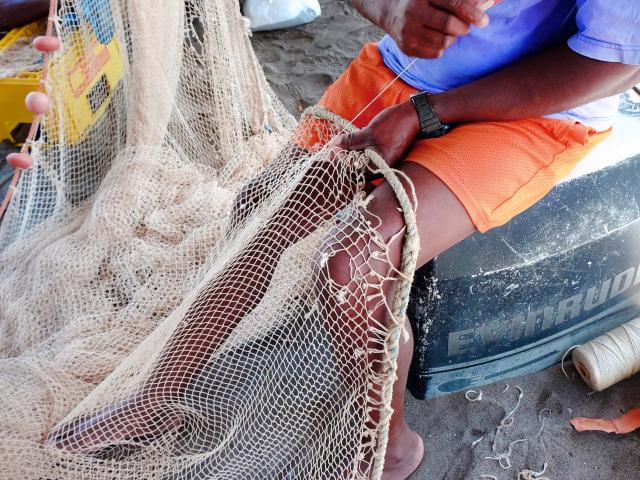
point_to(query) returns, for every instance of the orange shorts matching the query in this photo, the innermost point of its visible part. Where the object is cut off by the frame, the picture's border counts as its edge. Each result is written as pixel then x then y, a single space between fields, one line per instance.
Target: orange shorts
pixel 496 169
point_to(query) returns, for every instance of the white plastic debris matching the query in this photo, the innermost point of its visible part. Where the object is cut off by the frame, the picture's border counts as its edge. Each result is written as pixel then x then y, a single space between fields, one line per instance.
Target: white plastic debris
pixel 276 14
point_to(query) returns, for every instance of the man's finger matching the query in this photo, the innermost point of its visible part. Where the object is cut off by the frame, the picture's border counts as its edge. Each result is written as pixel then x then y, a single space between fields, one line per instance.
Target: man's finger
pixel 435 39
pixel 469 11
pixel 422 51
pixel 358 140
pixel 444 22
pixel 431 39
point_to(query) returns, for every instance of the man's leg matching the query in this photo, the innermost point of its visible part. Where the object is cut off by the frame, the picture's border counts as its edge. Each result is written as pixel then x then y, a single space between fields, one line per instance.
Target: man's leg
pixel 442 222
pixel 234 292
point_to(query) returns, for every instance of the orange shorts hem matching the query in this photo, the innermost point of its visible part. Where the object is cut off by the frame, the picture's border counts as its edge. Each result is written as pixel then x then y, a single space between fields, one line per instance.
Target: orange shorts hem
pixel 496 169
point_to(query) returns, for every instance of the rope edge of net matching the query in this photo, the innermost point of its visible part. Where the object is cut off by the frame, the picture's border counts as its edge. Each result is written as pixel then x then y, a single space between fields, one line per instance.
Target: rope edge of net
pixel 410 251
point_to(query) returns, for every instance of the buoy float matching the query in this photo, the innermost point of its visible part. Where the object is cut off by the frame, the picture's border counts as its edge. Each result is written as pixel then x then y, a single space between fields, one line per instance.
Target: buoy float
pixel 47 43
pixel 20 160
pixel 37 102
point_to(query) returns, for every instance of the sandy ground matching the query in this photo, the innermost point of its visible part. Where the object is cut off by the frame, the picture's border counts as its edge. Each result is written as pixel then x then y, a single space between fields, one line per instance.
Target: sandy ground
pixel 300 63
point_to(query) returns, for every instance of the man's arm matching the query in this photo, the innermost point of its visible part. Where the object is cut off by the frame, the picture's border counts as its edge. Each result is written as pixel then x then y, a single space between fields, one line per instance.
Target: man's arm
pixel 425 28
pixel 16 13
pixel 554 80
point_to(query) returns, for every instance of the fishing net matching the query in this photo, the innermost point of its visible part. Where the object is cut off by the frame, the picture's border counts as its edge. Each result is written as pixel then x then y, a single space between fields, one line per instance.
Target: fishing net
pixel 192 285
pixel 18 56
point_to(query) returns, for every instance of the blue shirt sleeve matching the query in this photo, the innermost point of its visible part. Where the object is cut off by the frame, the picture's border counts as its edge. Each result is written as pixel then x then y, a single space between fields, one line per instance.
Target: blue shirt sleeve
pixel 608 30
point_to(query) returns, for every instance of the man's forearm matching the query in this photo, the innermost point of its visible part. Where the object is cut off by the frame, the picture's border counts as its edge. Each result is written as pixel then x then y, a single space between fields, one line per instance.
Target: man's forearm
pixel 552 81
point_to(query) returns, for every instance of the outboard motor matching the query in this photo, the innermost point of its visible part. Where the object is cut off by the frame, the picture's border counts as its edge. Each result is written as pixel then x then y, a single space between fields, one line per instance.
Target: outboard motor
pixel 514 300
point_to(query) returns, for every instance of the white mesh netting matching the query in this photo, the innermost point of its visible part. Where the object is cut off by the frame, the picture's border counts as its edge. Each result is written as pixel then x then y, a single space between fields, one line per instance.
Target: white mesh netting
pixel 191 285
pixel 19 56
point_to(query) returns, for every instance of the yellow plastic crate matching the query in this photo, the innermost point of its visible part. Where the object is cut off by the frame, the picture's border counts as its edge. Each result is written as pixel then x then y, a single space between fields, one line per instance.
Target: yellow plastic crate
pixel 13 111
pixel 93 72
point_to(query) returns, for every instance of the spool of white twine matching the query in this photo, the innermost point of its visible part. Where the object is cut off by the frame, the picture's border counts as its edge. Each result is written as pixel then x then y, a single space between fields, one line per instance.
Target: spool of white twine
pixel 611 357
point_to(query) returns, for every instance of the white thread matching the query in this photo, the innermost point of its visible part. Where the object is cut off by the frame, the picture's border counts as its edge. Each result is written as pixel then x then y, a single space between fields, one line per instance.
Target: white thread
pixel 528 474
pixel 504 458
pixel 541 419
pixel 520 395
pixel 383 90
pixel 473 395
pixel 563 359
pixel 476 442
pixel 387 87
pixel 611 357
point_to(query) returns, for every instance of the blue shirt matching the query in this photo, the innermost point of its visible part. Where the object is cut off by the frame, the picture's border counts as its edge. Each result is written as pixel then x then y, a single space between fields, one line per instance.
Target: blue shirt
pixel 607 30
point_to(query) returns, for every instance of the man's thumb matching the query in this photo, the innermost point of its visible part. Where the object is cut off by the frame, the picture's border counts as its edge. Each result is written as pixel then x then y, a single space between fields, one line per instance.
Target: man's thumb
pixel 357 140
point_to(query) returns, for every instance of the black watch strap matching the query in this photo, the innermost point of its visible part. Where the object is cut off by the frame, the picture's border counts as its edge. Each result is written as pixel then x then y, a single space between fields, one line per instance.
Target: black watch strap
pixel 430 125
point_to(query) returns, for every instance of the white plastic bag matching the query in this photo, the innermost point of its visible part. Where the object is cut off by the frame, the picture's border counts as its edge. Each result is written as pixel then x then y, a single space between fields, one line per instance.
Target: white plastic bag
pixel 275 14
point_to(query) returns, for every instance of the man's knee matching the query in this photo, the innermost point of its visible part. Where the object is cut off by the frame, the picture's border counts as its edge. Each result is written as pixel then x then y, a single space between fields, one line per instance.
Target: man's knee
pixel 357 257
pixel 332 269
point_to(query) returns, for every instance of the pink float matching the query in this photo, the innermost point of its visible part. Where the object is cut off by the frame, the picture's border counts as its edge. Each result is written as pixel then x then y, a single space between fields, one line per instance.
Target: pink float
pixel 20 160
pixel 37 102
pixel 47 43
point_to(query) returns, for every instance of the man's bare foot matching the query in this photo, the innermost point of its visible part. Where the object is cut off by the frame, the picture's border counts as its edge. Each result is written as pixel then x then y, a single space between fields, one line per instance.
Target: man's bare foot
pixel 134 420
pixel 403 456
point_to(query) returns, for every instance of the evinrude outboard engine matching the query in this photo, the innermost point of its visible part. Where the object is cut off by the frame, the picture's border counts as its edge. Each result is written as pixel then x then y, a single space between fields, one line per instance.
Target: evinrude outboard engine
pixel 514 300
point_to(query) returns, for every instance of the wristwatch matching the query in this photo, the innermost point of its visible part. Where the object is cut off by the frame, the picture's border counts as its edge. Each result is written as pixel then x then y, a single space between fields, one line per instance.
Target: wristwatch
pixel 430 124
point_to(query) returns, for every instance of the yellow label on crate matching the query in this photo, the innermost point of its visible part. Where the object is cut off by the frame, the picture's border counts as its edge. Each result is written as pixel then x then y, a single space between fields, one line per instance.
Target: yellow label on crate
pixel 93 71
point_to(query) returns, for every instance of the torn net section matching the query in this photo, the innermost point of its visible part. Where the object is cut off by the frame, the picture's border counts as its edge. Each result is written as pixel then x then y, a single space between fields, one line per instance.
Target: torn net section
pixel 170 305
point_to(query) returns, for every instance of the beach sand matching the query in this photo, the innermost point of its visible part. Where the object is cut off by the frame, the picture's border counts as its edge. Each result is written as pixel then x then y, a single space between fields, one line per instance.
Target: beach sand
pixel 300 63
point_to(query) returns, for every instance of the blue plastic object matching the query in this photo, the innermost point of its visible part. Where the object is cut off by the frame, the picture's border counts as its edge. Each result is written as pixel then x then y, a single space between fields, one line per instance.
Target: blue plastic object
pixel 98 14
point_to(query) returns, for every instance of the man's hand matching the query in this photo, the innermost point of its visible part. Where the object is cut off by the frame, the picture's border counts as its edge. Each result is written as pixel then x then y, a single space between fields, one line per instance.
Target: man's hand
pixel 425 28
pixel 391 133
